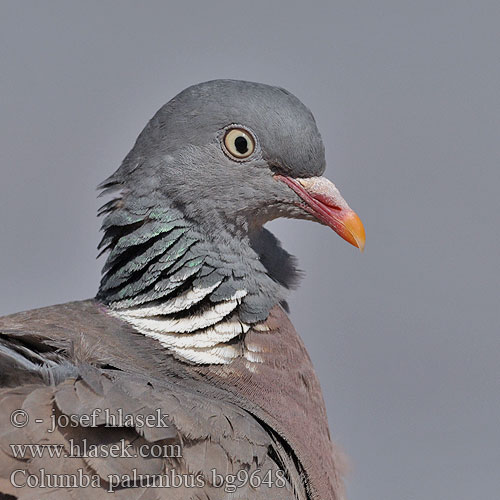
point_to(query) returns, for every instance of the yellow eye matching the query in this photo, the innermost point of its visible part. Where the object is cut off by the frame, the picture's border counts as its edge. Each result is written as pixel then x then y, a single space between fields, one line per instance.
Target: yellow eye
pixel 239 143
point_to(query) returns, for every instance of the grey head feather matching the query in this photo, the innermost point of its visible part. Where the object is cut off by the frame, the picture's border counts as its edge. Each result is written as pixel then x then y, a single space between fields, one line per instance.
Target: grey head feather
pixel 187 213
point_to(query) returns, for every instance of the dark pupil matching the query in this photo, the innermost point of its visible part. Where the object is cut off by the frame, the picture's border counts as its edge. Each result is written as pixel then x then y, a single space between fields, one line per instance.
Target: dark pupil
pixel 241 145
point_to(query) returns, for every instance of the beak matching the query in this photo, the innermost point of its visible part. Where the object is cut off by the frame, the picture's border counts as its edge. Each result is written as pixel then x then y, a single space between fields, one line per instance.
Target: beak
pixel 323 200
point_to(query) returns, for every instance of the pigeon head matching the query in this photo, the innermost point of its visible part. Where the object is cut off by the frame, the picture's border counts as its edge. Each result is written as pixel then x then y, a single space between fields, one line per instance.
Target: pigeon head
pixel 232 155
pixel 213 165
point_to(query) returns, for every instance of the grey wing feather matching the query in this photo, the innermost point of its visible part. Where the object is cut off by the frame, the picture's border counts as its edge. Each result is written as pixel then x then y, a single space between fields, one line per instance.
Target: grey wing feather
pixel 53 376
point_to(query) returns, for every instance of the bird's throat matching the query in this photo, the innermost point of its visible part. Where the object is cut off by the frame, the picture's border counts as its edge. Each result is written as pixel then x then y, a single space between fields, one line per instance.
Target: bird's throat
pixel 171 281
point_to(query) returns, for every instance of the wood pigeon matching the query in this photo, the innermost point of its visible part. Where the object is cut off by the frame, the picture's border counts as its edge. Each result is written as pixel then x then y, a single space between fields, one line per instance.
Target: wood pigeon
pixel 183 378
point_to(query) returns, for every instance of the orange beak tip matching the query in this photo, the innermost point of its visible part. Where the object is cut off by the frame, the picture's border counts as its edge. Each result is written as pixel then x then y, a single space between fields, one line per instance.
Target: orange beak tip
pixel 354 231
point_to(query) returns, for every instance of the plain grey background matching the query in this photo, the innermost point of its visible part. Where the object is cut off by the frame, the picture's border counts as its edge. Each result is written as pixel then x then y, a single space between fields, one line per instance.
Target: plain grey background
pixel 405 337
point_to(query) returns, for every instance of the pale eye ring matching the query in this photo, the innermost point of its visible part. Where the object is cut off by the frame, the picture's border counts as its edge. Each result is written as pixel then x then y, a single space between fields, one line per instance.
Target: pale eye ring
pixel 239 143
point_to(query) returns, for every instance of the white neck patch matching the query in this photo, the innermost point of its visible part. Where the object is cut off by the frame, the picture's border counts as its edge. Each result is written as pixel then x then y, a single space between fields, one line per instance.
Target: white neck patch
pixel 202 337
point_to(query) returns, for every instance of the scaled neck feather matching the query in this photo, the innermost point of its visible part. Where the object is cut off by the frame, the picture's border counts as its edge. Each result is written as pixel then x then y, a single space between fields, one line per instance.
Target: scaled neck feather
pixel 196 293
